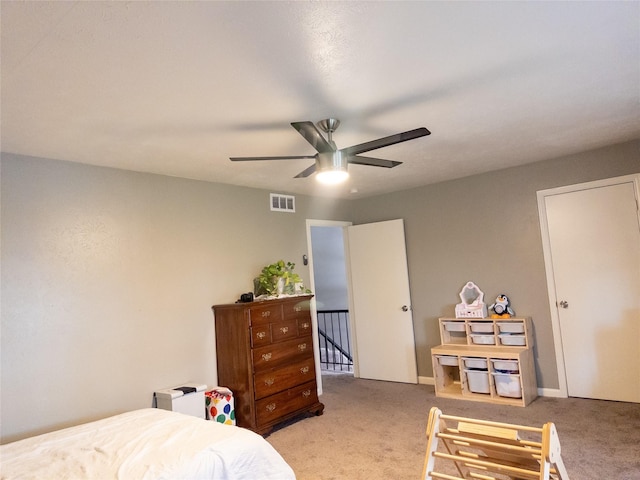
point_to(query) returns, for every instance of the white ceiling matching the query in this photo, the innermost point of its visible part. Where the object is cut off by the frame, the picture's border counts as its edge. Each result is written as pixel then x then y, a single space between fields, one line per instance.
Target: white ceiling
pixel 177 88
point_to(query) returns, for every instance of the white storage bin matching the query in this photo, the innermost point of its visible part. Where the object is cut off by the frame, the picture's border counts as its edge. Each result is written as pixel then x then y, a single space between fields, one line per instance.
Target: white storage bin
pixel 480 363
pixel 508 339
pixel 505 365
pixel 187 399
pixel 481 327
pixel 483 339
pixel 477 381
pixel 511 327
pixel 448 360
pixel 454 326
pixel 508 385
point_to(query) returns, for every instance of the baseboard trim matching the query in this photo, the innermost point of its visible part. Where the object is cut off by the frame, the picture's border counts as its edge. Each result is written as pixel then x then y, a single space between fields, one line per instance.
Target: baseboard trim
pixel 550 392
pixel 426 381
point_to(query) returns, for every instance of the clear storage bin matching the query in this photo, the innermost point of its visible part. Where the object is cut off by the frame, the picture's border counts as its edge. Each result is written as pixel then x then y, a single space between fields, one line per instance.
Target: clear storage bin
pixel 454 326
pixel 508 385
pixel 512 340
pixel 483 339
pixel 511 327
pixel 448 360
pixel 477 363
pixel 477 381
pixel 481 327
pixel 510 366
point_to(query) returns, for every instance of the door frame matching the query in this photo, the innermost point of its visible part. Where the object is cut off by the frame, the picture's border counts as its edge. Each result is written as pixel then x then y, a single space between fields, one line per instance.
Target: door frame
pixel 548 264
pixel 313 307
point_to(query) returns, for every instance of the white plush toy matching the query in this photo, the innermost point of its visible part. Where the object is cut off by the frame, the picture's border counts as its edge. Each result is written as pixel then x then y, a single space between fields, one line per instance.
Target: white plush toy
pixel 502 307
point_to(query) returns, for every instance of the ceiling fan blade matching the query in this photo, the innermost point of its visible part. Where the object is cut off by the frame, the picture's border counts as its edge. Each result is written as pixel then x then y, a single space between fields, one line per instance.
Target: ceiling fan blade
pixel 306 172
pixel 251 159
pixel 375 162
pixel 311 134
pixel 385 142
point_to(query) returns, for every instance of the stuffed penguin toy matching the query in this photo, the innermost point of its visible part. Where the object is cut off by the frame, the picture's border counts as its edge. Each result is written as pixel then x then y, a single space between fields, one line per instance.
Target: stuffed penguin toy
pixel 502 307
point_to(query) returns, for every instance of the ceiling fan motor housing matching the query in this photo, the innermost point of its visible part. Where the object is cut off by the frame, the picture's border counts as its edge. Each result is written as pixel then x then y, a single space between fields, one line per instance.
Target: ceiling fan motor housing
pixel 331 161
pixel 331 167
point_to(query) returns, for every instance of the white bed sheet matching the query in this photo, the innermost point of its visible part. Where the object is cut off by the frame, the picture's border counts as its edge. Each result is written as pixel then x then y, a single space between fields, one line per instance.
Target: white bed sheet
pixel 145 444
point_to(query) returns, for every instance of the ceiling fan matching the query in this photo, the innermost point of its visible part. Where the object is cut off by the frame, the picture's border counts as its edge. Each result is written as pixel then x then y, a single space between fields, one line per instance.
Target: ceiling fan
pixel 330 162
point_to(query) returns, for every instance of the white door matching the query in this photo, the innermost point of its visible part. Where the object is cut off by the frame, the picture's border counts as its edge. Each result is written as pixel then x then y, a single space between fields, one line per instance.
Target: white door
pixel 594 245
pixel 384 343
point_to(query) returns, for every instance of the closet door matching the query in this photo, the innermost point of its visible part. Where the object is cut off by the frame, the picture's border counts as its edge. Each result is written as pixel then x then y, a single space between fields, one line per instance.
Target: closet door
pixel 594 248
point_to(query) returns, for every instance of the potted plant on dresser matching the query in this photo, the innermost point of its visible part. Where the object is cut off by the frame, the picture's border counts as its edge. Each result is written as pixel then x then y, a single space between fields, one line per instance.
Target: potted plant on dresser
pixel 278 279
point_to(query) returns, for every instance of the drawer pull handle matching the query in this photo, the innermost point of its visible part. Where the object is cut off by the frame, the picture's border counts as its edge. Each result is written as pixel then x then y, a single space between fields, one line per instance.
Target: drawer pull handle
pixel 284 330
pixel 261 335
pixel 298 308
pixel 266 356
pixel 270 407
pixel 266 314
pixel 269 381
pixel 306 393
pixel 302 347
pixel 304 370
pixel 305 325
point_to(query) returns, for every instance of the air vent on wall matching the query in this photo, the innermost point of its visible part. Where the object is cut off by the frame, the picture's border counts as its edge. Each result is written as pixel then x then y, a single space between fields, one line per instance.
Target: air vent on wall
pixel 282 203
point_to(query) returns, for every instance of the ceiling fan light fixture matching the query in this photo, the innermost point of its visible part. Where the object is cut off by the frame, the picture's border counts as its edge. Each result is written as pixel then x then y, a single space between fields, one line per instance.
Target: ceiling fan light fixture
pixel 332 177
pixel 331 168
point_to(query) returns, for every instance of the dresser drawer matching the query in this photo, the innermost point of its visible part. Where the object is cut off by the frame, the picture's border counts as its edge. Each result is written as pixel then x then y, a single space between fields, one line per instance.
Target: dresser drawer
pixel 284 330
pixel 280 404
pixel 276 354
pixel 279 379
pixel 304 326
pixel 296 309
pixel 266 333
pixel 260 335
pixel 265 312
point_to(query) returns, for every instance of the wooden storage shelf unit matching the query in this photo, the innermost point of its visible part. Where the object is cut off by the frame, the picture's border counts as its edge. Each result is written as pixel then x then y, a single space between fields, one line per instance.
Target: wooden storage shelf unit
pixel 265 356
pixel 493 370
pixel 513 332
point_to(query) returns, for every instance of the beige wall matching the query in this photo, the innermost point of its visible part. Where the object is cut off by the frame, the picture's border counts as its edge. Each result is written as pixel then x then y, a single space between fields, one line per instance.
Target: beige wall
pixel 108 278
pixel 486 229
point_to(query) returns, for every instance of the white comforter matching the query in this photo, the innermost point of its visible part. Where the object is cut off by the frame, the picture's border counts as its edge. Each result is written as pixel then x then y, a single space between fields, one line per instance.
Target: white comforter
pixel 145 444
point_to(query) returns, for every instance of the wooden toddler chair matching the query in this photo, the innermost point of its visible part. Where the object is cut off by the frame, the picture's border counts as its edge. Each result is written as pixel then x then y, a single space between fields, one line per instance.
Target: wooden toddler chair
pixel 487 450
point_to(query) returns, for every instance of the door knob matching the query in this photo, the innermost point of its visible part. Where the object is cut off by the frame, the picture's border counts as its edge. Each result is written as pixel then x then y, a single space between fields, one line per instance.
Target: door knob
pixel 563 304
pixel 405 308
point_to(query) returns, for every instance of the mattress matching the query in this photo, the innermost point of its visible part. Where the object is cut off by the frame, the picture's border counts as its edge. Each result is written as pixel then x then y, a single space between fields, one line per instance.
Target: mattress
pixel 145 444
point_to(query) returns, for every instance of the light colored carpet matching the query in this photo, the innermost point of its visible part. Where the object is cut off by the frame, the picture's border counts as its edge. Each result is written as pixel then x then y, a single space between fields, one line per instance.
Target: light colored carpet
pixel 376 430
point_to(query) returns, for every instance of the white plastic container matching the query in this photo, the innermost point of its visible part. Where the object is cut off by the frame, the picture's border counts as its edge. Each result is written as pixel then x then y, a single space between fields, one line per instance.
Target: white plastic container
pixel 454 326
pixel 448 360
pixel 512 340
pixel 510 366
pixel 508 385
pixel 187 399
pixel 478 363
pixel 483 339
pixel 481 327
pixel 511 327
pixel 477 381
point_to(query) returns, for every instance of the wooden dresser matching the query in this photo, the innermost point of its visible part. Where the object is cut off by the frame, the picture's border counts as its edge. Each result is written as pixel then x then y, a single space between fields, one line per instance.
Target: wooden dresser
pixel 265 356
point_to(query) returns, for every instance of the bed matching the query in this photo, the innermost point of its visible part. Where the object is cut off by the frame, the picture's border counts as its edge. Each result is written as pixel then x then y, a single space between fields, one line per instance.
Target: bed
pixel 145 444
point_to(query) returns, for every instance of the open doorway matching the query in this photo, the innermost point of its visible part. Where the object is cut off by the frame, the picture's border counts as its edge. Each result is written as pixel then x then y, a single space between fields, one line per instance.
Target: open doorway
pixel 329 283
